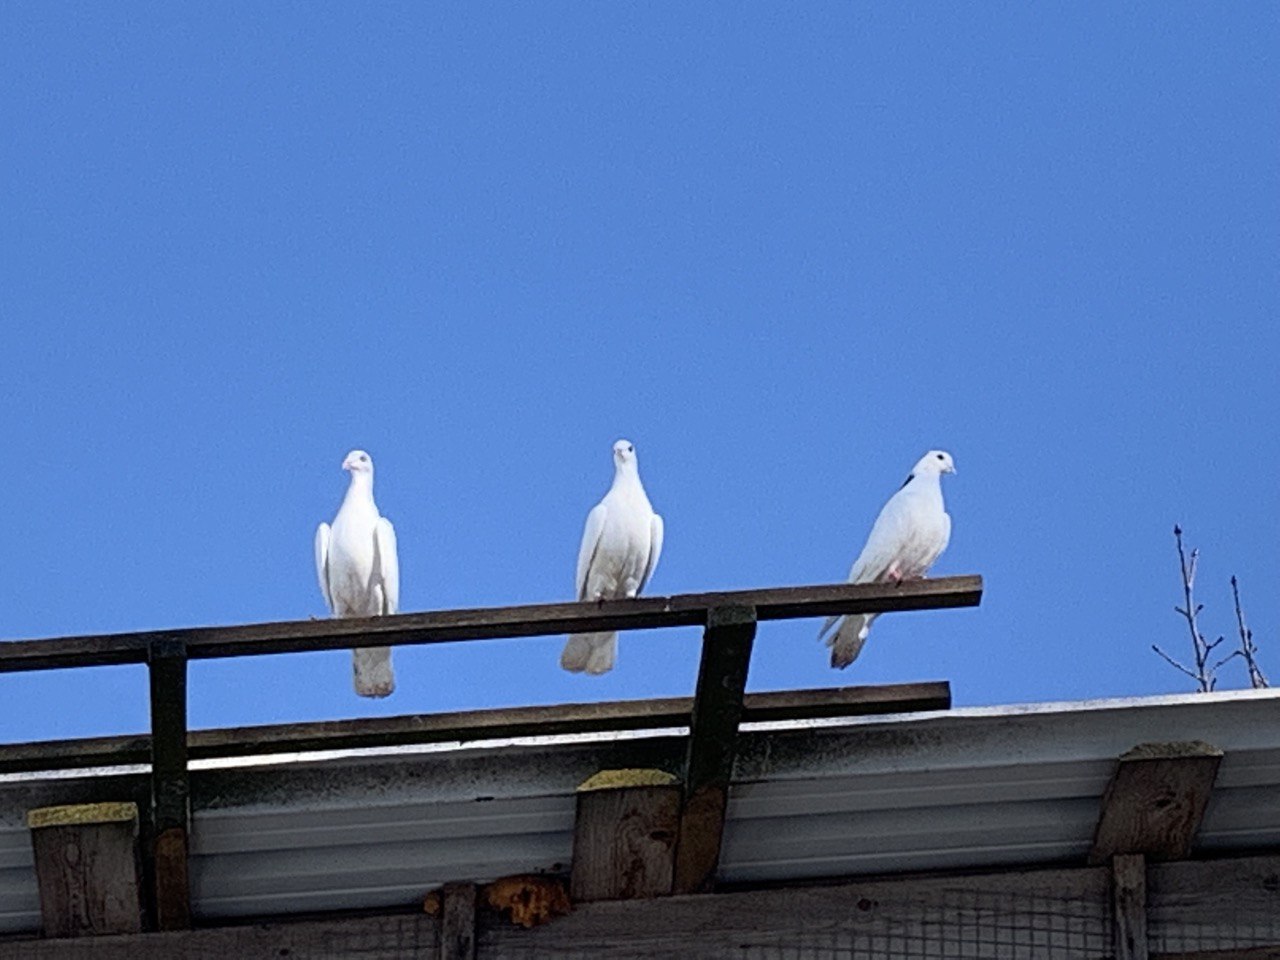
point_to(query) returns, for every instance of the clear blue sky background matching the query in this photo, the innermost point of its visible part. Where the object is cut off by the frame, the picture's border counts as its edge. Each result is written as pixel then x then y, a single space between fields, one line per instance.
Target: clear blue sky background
pixel 783 249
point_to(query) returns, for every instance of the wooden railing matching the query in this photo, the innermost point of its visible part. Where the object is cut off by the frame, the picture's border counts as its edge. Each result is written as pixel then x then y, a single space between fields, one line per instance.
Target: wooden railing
pixel 713 715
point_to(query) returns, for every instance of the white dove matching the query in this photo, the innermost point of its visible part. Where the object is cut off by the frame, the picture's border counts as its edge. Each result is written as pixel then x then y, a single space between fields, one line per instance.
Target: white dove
pixel 359 572
pixel 620 548
pixel 909 535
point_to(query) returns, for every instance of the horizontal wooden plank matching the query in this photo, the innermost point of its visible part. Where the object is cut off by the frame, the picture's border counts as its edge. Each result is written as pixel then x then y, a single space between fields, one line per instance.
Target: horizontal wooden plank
pixel 399 937
pixel 446 626
pixel 468 725
pixel 982 916
pixel 963 916
pixel 1210 901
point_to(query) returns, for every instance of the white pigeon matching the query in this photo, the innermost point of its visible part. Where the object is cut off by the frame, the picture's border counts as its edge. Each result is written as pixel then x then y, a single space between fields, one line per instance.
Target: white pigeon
pixel 620 548
pixel 359 572
pixel 909 535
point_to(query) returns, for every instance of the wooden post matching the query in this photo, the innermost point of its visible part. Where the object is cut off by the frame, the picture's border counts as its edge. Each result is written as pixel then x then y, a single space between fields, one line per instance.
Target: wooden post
pixel 713 735
pixel 1129 903
pixel 170 789
pixel 1155 801
pixel 86 860
pixel 458 922
pixel 624 835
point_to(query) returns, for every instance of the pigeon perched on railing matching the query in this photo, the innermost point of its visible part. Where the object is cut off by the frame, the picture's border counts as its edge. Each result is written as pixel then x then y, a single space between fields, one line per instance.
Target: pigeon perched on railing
pixel 910 533
pixel 359 571
pixel 620 548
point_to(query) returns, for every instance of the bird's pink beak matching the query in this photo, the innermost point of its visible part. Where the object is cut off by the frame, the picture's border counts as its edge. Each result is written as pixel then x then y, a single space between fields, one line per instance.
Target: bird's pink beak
pixel 347 464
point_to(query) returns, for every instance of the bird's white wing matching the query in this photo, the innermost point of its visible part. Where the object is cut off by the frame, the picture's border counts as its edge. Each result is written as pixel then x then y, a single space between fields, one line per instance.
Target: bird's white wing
pixel 655 549
pixel 384 542
pixel 885 544
pixel 590 541
pixel 322 563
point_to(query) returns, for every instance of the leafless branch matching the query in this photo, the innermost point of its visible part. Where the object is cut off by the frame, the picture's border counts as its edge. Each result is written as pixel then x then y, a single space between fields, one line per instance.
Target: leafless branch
pixel 1174 663
pixel 1247 650
pixel 1190 611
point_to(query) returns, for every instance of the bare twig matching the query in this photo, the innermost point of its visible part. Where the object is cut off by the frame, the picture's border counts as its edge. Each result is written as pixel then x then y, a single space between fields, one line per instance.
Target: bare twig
pixel 1174 663
pixel 1203 673
pixel 1248 650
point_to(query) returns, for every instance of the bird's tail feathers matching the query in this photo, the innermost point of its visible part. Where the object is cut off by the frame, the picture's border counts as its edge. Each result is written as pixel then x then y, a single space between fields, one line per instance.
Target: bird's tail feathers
pixel 593 653
pixel 372 670
pixel 846 643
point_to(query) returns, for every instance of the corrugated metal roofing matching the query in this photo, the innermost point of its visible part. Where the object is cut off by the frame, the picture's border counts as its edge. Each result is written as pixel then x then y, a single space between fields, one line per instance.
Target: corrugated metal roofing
pixel 956 789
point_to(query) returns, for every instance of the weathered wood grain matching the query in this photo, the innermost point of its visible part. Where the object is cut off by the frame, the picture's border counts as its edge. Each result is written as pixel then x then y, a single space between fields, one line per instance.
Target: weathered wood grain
pixel 713 736
pixel 447 626
pixel 1155 801
pixel 401 937
pixel 458 922
pixel 942 917
pixel 624 840
pixel 985 916
pixel 1129 905
pixel 87 868
pixel 1201 897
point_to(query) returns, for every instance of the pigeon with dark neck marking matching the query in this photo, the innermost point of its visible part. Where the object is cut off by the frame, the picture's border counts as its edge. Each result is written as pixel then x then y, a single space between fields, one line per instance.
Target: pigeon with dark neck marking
pixel 910 534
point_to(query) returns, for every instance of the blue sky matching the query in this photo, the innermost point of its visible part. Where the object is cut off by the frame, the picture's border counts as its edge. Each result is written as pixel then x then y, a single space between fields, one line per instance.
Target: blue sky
pixel 784 250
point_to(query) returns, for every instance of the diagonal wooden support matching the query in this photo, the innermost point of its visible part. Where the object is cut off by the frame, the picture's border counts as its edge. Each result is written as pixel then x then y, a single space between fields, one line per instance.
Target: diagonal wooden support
pixel 170 788
pixel 713 735
pixel 1155 801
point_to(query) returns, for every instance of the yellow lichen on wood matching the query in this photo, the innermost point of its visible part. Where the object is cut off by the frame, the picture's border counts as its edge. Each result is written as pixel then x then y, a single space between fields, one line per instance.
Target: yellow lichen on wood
pixel 81 813
pixel 619 779
pixel 530 900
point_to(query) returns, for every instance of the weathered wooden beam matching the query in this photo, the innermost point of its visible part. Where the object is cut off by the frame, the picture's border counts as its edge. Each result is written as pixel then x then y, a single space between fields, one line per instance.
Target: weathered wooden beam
pixel 1211 899
pixel 713 736
pixel 170 787
pixel 87 868
pixel 1129 906
pixel 404 936
pixel 447 626
pixel 468 725
pixel 1155 801
pixel 1061 909
pixel 624 835
pixel 458 922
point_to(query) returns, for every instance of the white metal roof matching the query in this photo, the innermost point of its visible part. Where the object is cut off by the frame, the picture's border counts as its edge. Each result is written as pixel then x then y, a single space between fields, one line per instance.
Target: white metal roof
pixel 966 788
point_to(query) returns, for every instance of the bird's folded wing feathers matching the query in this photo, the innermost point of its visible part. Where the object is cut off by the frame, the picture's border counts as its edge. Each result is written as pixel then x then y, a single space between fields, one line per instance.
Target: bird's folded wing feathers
pixel 590 540
pixel 655 549
pixel 885 544
pixel 384 541
pixel 322 563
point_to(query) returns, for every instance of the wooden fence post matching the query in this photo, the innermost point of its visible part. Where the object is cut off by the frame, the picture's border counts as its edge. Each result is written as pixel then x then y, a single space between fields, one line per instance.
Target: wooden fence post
pixel 713 735
pixel 86 859
pixel 170 787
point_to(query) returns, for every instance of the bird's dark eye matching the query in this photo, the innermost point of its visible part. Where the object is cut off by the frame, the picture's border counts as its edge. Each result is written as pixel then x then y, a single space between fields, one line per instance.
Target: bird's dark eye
pixel 940 457
pixel 631 449
pixel 366 459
